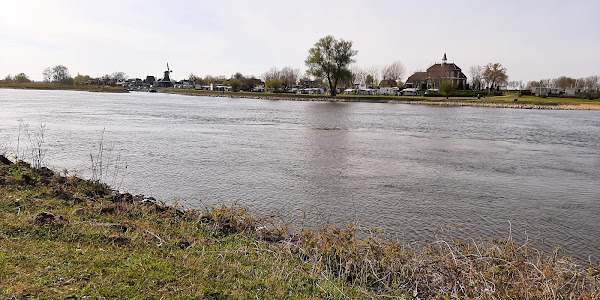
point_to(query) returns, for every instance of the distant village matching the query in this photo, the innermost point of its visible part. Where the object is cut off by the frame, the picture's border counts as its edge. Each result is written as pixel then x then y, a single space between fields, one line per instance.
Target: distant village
pixel 418 84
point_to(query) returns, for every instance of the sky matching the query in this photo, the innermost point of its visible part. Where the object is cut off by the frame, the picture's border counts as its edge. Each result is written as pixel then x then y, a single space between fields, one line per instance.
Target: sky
pixel 533 40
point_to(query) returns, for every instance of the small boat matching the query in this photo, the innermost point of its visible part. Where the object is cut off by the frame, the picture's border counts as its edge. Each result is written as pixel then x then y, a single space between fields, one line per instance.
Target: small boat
pixel 151 91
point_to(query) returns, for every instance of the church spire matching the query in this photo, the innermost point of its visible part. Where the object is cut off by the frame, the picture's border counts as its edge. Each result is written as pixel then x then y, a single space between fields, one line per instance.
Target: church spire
pixel 444 60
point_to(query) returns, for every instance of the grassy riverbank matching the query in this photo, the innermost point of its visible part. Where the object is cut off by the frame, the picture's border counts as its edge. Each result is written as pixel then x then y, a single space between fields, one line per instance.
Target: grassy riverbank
pixel 52 86
pixel 61 236
pixel 506 101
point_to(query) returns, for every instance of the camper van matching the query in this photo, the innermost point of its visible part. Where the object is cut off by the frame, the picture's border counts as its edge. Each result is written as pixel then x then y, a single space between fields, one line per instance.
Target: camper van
pixel 410 92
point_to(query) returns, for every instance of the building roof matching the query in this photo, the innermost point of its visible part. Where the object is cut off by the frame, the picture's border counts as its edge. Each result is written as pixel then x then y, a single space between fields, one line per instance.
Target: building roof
pixel 417 76
pixel 445 68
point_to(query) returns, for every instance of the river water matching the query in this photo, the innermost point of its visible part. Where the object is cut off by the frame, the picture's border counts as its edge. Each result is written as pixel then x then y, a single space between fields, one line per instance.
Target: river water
pixel 418 172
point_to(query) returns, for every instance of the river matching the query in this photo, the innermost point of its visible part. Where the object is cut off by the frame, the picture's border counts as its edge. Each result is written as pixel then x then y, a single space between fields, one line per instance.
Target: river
pixel 418 172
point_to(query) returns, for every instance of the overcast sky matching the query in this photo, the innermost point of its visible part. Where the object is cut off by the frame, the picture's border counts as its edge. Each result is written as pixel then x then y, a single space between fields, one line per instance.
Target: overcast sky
pixel 532 39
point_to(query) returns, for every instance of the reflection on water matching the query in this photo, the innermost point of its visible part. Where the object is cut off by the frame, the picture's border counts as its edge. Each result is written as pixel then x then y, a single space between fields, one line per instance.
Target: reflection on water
pixel 419 172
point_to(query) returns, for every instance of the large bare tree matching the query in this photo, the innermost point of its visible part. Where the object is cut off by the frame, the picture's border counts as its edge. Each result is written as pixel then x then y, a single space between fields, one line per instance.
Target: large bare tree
pixel 47 74
pixel 359 75
pixel 393 72
pixel 563 82
pixel 476 77
pixel 118 76
pixel 373 75
pixel 495 75
pixel 270 74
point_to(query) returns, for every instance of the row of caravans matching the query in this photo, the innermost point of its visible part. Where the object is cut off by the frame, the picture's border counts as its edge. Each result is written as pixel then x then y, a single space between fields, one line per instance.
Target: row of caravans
pixel 394 91
pixel 387 91
pixel 558 92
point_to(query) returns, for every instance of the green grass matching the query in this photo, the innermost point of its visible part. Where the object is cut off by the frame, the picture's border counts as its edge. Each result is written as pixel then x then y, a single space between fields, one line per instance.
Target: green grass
pixel 158 251
pixel 52 86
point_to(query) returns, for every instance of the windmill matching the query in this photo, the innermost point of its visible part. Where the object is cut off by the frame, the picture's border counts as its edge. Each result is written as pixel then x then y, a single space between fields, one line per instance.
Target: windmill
pixel 167 73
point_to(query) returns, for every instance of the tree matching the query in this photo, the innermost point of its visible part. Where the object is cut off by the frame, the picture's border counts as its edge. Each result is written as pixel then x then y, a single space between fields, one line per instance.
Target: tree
pixel 271 74
pixel 21 78
pixel 446 88
pixel 375 73
pixel 495 75
pixel 274 84
pixel 239 76
pixel 8 79
pixel 592 82
pixel 393 72
pixel 369 79
pixel 80 79
pixel 476 76
pixel 60 74
pixel 235 84
pixel 118 76
pixel 515 85
pixel 47 74
pixel 289 76
pixel 329 59
pixel 359 75
pixel 563 82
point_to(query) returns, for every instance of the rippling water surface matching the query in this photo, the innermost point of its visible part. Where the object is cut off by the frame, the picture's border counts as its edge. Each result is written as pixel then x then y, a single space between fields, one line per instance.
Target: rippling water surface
pixel 419 172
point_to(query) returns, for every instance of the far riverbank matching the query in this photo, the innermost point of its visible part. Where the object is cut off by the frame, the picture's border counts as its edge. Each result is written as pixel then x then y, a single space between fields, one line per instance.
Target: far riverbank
pixel 507 101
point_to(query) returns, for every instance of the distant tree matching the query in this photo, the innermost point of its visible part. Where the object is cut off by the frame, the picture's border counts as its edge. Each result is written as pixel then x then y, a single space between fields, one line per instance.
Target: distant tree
pixel 235 84
pixel 387 83
pixel 329 58
pixel 495 75
pixel 592 82
pixel 274 84
pixel 515 85
pixel 249 83
pixel 375 73
pixel 118 76
pixel 21 78
pixel 563 82
pixel 446 88
pixel 201 81
pixel 47 74
pixel 393 72
pixel 208 79
pixel 238 75
pixel 532 84
pixel 270 74
pixel 289 76
pixel 476 77
pixel 60 74
pixel 192 78
pixel 219 79
pixel 359 75
pixel 369 79
pixel 80 79
pixel 8 79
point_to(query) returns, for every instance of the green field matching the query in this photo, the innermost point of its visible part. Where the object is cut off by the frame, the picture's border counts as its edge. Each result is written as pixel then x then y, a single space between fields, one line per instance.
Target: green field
pixel 62 237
